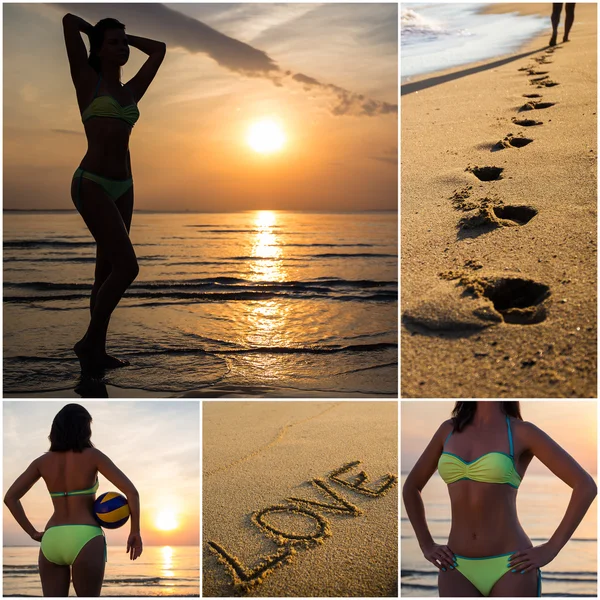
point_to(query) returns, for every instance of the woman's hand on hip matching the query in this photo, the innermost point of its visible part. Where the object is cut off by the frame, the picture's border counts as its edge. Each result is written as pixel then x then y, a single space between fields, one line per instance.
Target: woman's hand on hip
pixel 134 545
pixel 37 536
pixel 532 558
pixel 440 556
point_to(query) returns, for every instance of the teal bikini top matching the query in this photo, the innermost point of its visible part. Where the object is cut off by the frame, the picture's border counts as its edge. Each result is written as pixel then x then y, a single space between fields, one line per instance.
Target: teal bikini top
pixel 107 106
pixel 492 467
pixel 91 490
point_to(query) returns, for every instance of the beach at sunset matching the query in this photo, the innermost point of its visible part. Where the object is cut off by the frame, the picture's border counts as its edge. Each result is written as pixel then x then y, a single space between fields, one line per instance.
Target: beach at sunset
pixel 498 203
pixel 541 501
pixel 155 444
pixel 264 228
pixel 300 499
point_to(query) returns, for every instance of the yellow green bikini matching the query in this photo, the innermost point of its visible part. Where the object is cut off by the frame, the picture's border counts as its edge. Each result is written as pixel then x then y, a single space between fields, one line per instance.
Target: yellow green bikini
pixel 492 467
pixel 106 107
pixel 61 544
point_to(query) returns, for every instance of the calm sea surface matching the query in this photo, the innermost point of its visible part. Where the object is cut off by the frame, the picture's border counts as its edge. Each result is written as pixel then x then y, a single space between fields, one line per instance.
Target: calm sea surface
pixel 293 300
pixel 160 571
pixel 541 505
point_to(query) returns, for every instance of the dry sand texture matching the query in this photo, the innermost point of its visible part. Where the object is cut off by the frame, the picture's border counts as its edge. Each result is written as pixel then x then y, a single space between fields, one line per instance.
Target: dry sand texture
pixel 287 508
pixel 499 264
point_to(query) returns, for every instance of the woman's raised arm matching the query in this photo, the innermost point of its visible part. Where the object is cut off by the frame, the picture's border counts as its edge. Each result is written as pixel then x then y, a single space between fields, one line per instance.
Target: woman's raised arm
pixel 16 491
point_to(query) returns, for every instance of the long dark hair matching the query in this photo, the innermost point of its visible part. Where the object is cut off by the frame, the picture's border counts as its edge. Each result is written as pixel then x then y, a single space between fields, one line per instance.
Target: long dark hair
pixel 71 429
pixel 97 39
pixel 464 411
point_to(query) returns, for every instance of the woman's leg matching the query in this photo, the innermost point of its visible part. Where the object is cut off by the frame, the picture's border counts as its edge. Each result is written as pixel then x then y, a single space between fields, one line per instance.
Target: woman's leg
pixel 124 205
pixel 569 18
pixel 108 229
pixel 452 584
pixel 88 568
pixel 555 18
pixel 55 578
pixel 515 585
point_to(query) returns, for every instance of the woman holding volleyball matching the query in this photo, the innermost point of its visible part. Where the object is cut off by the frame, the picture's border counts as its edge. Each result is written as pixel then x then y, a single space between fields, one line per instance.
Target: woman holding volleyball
pixel 73 544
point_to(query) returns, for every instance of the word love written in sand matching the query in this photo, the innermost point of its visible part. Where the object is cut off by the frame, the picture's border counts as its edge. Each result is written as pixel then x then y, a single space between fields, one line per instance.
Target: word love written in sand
pixel 245 577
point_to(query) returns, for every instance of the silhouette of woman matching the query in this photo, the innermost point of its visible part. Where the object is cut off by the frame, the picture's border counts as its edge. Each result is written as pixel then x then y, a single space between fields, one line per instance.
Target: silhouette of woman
pixel 569 18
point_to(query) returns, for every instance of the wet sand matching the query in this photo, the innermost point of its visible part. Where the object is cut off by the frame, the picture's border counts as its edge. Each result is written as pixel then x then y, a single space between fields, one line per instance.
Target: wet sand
pixel 499 274
pixel 259 455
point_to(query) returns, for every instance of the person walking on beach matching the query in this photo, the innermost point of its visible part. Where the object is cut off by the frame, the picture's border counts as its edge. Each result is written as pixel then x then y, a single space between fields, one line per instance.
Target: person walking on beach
pixel 569 18
pixel 482 453
pixel 102 186
pixel 73 545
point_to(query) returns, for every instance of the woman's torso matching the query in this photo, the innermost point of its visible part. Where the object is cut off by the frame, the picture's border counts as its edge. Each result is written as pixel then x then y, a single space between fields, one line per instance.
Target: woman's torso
pixel 484 515
pixel 108 138
pixel 68 472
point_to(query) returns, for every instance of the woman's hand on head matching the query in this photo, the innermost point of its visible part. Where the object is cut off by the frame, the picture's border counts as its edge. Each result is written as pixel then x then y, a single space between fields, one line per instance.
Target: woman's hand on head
pixel 37 536
pixel 532 558
pixel 134 545
pixel 440 556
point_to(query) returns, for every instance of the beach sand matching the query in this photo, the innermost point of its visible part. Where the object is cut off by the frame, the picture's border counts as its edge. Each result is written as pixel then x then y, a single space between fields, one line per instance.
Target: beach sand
pixel 258 454
pixel 500 301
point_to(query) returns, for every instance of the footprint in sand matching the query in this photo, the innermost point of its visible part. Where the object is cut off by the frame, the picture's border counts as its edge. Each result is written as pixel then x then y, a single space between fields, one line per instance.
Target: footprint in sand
pixel 538 79
pixel 488 218
pixel 542 60
pixel 511 142
pixel 532 95
pixel 486 173
pixel 465 301
pixel 548 83
pixel 526 122
pixel 536 105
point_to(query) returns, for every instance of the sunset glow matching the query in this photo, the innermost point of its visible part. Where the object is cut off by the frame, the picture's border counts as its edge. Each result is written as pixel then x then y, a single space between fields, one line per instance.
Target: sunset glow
pixel 265 136
pixel 166 520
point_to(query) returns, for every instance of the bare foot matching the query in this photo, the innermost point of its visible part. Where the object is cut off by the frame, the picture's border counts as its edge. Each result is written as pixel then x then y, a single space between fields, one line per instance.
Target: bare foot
pixel 565 39
pixel 90 358
pixel 552 41
pixel 112 362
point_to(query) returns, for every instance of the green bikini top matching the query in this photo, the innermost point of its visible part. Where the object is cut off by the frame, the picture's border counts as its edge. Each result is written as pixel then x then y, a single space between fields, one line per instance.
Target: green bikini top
pixel 91 490
pixel 493 467
pixel 107 106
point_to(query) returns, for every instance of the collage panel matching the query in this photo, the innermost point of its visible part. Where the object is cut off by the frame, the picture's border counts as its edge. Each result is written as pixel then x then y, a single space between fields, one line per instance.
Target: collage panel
pixel 101 498
pixel 499 498
pixel 300 498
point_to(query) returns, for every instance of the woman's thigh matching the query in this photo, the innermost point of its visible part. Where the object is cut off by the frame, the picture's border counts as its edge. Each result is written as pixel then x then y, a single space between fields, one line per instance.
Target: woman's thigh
pixel 453 584
pixel 55 578
pixel 125 207
pixel 88 568
pixel 104 221
pixel 515 585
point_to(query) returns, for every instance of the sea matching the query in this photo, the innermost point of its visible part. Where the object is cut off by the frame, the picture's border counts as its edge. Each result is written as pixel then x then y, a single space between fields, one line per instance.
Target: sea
pixel 436 36
pixel 159 571
pixel 541 505
pixel 244 301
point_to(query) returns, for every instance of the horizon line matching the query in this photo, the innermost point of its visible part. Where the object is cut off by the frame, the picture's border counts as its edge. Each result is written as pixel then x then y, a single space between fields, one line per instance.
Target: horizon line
pixel 216 212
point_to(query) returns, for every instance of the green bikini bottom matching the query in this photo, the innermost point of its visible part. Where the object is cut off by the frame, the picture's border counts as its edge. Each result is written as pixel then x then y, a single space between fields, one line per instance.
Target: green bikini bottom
pixel 115 188
pixel 484 572
pixel 62 544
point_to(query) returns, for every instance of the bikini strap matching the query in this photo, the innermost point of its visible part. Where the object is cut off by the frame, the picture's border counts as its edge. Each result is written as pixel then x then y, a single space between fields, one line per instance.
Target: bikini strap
pixel 510 441
pixel 446 440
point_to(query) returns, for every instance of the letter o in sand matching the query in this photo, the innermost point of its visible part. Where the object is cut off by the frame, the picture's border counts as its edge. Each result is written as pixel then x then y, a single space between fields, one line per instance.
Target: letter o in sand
pixel 322 525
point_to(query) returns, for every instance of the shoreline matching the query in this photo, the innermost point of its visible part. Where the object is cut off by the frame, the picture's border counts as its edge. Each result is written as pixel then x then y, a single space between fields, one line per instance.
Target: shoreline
pixel 457 343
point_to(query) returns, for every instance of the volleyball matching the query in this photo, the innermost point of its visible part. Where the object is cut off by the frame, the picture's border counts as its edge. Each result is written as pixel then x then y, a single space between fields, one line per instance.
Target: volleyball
pixel 111 510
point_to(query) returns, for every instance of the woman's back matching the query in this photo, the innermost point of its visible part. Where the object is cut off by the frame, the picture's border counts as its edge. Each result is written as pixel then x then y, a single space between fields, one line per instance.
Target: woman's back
pixel 65 473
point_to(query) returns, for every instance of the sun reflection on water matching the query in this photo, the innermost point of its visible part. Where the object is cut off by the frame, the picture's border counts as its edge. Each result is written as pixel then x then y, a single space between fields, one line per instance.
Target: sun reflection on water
pixel 266 245
pixel 167 561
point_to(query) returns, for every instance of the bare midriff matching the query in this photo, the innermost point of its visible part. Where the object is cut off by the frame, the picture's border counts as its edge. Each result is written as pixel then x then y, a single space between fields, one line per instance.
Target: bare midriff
pixel 108 145
pixel 484 520
pixel 73 510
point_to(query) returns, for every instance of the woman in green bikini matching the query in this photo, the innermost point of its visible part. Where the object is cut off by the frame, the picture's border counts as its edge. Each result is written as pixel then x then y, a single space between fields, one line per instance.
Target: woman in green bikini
pixel 73 545
pixel 482 453
pixel 102 186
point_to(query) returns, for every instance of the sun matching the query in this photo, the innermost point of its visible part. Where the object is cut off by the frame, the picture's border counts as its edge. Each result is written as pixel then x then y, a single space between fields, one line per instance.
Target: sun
pixel 265 136
pixel 166 521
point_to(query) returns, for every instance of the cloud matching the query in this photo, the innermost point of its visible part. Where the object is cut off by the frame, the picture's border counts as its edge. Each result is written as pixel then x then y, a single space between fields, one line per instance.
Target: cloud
pixel 180 31
pixel 67 131
pixel 389 156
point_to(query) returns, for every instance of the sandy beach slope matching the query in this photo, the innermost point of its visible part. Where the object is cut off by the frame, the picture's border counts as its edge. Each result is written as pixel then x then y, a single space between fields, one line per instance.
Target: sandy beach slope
pixel 257 455
pixel 499 277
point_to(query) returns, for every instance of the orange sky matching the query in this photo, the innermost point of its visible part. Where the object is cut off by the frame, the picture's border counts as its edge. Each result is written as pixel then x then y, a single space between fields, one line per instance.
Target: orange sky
pixel 156 444
pixel 570 423
pixel 327 73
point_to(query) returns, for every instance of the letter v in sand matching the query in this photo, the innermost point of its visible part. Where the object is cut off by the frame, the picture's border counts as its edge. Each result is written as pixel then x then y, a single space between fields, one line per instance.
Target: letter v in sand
pixel 342 505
